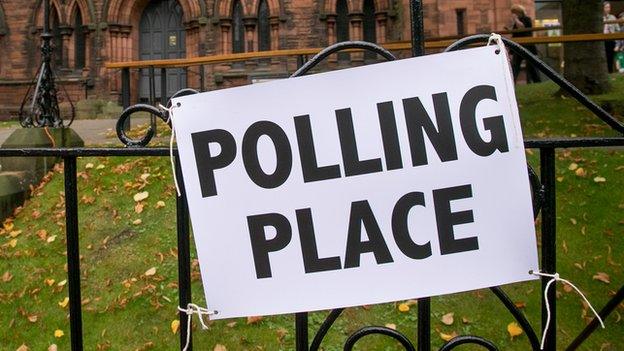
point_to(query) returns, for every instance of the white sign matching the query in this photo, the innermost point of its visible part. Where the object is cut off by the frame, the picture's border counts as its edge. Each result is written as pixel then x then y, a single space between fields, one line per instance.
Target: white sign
pixel 380 183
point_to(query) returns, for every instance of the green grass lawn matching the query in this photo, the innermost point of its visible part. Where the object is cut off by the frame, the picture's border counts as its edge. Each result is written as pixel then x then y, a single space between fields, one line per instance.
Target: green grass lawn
pixel 9 124
pixel 129 267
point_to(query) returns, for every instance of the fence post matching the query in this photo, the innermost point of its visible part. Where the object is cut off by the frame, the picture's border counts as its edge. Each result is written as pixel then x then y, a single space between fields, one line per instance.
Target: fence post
pixel 300 61
pixel 549 241
pixel 184 256
pixel 163 86
pixel 73 252
pixel 125 87
pixel 418 49
pixel 418 37
pixel 152 95
pixel 125 92
pixel 424 324
pixel 202 82
pixel 301 331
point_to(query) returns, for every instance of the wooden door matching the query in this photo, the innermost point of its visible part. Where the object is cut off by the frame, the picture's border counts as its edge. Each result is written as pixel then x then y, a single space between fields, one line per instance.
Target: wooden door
pixel 162 36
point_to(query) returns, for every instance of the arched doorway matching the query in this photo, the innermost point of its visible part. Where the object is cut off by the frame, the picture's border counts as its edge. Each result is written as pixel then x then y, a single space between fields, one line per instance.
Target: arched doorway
pixel 161 36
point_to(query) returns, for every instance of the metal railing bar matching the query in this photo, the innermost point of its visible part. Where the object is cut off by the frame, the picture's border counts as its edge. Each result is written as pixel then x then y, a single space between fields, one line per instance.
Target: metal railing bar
pixel 549 241
pixel 593 325
pixel 228 58
pixel 520 318
pixel 301 331
pixel 469 339
pixel 202 78
pixel 562 143
pixel 184 257
pixel 125 87
pixel 558 79
pixel 73 252
pixel 342 46
pixel 86 152
pixel 424 324
pixel 359 334
pixel 417 31
pixel 327 324
pixel 163 86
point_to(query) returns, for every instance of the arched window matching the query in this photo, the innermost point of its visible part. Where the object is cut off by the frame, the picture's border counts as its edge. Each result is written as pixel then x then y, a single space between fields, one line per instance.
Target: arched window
pixel 238 29
pixel 370 30
pixel 264 29
pixel 342 26
pixel 57 40
pixel 79 41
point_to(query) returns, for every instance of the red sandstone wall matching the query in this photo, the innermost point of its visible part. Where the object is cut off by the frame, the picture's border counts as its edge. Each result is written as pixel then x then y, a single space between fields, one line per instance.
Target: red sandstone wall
pixel 112 35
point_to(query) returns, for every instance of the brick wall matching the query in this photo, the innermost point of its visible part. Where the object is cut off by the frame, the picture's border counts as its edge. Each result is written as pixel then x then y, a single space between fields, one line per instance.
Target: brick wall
pixel 111 34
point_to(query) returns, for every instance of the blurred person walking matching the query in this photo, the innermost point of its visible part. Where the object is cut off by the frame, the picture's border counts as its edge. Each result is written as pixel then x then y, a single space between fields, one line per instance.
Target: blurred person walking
pixel 520 21
pixel 609 28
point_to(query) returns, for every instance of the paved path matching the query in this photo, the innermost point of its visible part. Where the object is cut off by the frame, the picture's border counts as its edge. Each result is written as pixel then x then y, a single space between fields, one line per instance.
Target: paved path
pixel 92 131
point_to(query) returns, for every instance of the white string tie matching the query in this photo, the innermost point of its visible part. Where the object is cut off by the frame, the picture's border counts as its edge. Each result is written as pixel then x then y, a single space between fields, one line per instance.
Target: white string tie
pixel 554 278
pixel 190 310
pixel 496 38
pixel 170 119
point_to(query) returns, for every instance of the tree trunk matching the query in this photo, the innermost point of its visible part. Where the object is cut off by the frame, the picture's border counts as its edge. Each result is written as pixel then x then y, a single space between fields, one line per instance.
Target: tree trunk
pixel 585 63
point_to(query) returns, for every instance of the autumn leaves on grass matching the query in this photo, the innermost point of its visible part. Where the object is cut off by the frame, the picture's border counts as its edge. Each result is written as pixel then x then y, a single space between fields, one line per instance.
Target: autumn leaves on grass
pixel 448 319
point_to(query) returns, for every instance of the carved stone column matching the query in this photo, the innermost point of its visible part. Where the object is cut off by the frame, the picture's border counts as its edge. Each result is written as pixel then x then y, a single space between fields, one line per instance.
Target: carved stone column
pixel 356 33
pixel 125 43
pixel 251 44
pixel 250 31
pixel 274 23
pixel 226 38
pixel 381 28
pixel 66 33
pixel 331 29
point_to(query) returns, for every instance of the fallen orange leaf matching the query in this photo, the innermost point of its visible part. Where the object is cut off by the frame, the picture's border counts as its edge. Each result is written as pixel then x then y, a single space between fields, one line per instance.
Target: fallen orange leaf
pixel 448 337
pixel 7 276
pixel 514 329
pixel 602 276
pixel 448 319
pixel 175 326
pixel 8 226
pixel 64 302
pixel 141 196
pixel 254 319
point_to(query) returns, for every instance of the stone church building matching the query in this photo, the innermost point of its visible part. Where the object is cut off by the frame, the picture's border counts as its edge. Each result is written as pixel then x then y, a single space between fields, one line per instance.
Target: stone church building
pixel 90 33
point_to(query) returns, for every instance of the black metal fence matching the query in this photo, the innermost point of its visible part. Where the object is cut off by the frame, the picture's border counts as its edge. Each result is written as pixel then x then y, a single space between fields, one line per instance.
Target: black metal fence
pixel 543 186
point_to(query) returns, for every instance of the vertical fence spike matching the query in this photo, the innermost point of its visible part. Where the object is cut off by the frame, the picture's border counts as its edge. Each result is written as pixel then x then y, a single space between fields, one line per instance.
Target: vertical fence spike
pixel 549 240
pixel 418 36
pixel 184 256
pixel 424 324
pixel 301 331
pixel 73 252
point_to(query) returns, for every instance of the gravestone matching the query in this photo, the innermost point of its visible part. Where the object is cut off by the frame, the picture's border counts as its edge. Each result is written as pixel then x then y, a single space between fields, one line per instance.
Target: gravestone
pixel 18 173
